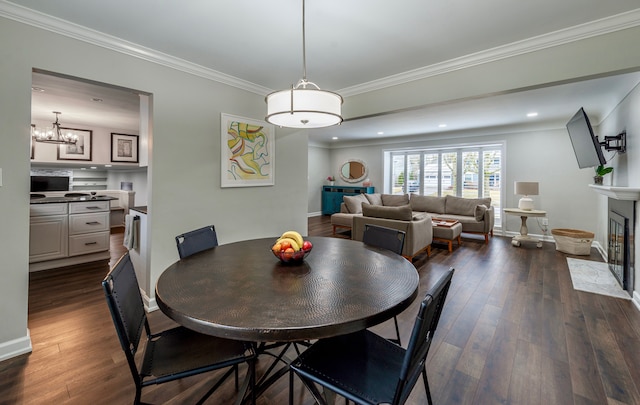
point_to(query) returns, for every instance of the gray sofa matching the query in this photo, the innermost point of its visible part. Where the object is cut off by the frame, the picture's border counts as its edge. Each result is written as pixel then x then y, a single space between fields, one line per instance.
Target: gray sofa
pixel 394 211
pixel 475 214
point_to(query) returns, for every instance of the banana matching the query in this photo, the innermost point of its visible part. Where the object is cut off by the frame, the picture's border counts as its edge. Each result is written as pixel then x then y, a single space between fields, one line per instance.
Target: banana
pixel 295 236
pixel 293 243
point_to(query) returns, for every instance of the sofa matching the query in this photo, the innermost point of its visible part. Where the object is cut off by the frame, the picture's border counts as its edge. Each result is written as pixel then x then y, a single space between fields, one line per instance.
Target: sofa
pixel 476 215
pixel 395 212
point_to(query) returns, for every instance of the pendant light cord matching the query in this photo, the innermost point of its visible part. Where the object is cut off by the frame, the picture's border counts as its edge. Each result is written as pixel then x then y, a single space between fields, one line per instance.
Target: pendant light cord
pixel 304 47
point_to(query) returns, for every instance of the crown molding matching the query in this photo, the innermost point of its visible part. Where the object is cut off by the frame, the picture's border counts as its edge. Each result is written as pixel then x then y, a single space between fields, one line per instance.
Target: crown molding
pixel 587 30
pixel 602 26
pixel 81 33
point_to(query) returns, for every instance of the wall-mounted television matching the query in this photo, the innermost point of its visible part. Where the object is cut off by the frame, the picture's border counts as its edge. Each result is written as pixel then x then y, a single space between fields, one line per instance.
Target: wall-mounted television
pixel 49 183
pixel 585 143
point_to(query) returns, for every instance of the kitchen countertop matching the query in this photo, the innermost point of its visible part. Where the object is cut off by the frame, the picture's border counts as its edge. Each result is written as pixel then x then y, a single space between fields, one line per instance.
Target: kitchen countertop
pixel 51 200
pixel 141 208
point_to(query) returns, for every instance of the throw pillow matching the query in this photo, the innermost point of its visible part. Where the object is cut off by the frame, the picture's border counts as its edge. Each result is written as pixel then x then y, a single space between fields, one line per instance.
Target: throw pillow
pixel 464 206
pixel 374 199
pixel 354 203
pixel 400 213
pixel 480 210
pixel 426 203
pixel 392 200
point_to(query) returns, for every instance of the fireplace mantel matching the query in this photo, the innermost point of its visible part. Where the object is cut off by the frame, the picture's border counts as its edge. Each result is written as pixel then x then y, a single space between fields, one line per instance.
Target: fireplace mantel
pixel 618 193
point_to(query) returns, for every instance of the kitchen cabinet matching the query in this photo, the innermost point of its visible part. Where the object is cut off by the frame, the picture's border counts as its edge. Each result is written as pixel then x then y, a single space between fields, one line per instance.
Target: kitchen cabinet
pixel 64 234
pixel 48 232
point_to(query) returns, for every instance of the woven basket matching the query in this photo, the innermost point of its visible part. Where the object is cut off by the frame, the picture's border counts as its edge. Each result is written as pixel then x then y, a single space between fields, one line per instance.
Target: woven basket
pixel 573 241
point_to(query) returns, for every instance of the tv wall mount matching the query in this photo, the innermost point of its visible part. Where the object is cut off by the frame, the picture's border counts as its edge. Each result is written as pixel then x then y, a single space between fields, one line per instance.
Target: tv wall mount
pixel 617 143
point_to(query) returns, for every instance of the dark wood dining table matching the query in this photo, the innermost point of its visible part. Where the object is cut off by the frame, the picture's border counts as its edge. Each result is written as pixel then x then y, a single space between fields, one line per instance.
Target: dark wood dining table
pixel 242 291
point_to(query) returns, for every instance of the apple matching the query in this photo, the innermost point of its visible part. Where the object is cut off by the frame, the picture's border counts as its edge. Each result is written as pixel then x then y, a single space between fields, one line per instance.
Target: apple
pixel 306 245
pixel 288 253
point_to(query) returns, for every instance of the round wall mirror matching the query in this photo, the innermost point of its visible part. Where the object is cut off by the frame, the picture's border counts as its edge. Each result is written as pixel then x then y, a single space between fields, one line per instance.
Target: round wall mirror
pixel 353 171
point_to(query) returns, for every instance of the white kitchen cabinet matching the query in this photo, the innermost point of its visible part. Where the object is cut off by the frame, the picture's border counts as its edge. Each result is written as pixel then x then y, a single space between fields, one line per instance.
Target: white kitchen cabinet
pixel 48 232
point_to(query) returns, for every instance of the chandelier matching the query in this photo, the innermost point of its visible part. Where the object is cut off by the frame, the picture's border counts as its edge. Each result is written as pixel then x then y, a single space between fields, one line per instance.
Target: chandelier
pixel 304 105
pixel 53 134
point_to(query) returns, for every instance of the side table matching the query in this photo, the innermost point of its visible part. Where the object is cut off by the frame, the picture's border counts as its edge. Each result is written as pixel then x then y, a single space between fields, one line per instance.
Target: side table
pixel 524 232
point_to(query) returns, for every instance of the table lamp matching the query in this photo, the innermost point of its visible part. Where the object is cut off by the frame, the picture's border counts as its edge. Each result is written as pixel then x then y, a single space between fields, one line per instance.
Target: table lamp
pixel 526 189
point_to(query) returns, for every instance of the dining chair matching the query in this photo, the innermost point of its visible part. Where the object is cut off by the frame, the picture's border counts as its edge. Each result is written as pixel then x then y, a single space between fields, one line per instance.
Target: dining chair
pixel 196 241
pixel 368 369
pixel 172 354
pixel 390 239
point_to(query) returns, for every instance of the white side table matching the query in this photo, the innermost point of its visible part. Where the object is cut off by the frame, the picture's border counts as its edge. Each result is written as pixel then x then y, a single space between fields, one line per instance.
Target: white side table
pixel 524 232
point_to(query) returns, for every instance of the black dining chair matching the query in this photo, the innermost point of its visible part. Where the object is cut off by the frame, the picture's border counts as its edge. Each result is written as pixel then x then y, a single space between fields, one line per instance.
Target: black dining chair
pixel 172 354
pixel 368 369
pixel 390 239
pixel 196 241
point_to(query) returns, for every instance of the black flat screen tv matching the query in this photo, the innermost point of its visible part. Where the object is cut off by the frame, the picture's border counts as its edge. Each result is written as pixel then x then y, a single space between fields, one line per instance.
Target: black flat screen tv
pixel 585 143
pixel 49 183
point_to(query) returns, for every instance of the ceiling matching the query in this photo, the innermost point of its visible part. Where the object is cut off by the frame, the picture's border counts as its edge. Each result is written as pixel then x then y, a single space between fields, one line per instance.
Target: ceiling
pixel 351 45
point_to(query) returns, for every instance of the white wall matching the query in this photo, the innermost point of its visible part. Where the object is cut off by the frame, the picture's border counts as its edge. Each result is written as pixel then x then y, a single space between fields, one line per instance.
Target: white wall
pixel 184 170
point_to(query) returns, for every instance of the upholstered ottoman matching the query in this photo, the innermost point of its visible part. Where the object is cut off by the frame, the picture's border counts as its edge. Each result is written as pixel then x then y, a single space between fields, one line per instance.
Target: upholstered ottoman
pixel 447 233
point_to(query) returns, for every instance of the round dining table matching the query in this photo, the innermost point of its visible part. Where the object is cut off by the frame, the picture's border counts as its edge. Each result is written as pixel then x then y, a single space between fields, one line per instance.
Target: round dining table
pixel 242 291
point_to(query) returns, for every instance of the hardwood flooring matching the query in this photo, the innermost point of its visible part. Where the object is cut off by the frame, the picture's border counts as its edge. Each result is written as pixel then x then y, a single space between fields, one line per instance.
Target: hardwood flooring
pixel 513 331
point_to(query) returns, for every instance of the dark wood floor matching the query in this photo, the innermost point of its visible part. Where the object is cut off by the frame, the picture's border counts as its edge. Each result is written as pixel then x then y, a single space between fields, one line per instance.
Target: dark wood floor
pixel 513 331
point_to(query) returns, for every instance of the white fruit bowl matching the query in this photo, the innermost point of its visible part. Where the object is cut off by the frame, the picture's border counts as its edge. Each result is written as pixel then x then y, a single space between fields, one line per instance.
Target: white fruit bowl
pixel 295 257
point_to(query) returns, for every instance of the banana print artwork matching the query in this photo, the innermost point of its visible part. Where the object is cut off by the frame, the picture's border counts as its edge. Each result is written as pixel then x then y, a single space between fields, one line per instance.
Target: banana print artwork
pixel 249 158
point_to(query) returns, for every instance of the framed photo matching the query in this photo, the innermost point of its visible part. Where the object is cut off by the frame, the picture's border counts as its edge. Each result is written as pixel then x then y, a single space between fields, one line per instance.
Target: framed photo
pixel 124 148
pixel 81 150
pixel 248 152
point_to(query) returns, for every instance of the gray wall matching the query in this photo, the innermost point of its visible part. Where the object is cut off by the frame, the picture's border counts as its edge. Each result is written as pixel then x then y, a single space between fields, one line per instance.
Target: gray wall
pixel 543 156
pixel 626 167
pixel 184 171
pixel 319 168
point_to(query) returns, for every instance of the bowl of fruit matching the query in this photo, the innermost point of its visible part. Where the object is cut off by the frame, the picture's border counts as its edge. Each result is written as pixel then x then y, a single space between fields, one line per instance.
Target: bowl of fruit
pixel 291 247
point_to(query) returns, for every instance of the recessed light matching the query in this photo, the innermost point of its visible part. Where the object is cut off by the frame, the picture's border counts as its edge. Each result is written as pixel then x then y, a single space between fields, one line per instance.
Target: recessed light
pixel 380 133
pixel 38 89
pixel 334 138
pixel 94 167
pixel 532 114
pixel 107 165
pixel 442 126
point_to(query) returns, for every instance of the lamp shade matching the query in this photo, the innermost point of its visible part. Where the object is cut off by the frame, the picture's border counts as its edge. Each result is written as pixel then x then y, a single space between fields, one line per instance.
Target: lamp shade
pixel 525 188
pixel 304 108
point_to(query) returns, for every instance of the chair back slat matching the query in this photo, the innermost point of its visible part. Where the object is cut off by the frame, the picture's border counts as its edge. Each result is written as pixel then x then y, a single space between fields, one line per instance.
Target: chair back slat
pixel 382 237
pixel 125 304
pixel 421 336
pixel 195 241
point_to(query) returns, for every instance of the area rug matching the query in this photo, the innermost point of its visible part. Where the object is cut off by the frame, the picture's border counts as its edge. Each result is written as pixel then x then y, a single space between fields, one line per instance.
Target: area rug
pixel 594 277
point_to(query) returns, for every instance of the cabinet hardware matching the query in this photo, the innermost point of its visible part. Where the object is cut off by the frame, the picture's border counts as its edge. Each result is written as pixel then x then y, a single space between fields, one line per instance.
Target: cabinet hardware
pixel 93 223
pixel 91 243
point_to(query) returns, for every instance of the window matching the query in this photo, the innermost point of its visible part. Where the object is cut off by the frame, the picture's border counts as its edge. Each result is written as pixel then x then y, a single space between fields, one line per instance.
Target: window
pixel 469 171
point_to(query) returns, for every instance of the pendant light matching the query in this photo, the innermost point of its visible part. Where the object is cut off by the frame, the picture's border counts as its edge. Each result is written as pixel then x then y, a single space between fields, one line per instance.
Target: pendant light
pixel 53 134
pixel 304 105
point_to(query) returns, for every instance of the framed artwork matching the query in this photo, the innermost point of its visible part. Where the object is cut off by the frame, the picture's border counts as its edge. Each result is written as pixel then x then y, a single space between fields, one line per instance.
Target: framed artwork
pixel 124 148
pixel 81 150
pixel 248 152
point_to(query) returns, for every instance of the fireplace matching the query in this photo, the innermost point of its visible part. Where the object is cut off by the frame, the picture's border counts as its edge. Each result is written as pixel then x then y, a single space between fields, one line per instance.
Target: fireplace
pixel 620 250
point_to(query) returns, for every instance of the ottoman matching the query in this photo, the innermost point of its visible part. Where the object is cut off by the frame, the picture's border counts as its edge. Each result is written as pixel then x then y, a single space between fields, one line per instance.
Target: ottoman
pixel 447 234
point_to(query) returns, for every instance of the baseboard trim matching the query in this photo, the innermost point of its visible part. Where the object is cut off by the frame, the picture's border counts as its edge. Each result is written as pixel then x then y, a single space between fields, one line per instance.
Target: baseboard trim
pixel 150 304
pixel 16 347
pixel 636 300
pixel 314 214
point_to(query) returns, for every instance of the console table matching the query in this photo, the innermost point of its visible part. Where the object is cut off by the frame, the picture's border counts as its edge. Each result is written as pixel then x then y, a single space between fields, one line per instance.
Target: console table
pixel 332 196
pixel 524 232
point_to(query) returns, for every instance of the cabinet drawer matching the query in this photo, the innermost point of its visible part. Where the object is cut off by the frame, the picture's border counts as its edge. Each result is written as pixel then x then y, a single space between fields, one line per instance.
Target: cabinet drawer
pixel 88 243
pixel 88 206
pixel 86 223
pixel 36 210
